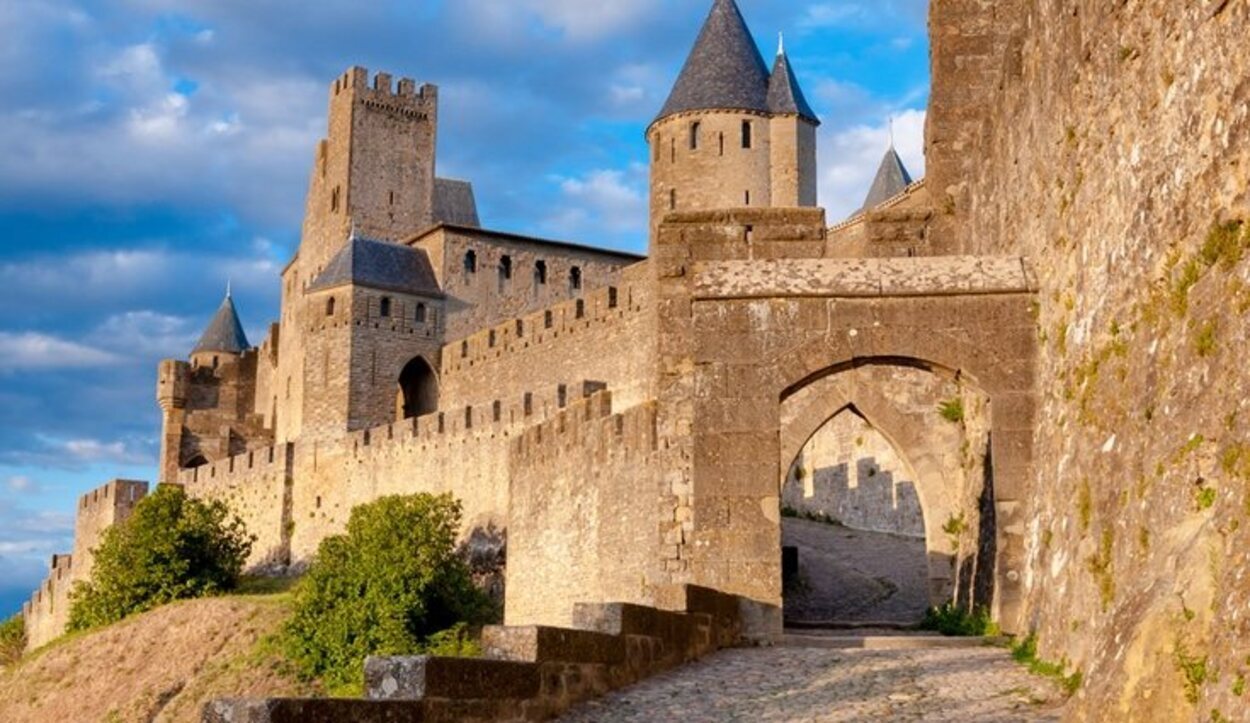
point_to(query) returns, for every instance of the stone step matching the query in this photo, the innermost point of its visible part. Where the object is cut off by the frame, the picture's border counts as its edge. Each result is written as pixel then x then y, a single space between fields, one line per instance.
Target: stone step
pixel 423 677
pixel 887 642
pixel 539 644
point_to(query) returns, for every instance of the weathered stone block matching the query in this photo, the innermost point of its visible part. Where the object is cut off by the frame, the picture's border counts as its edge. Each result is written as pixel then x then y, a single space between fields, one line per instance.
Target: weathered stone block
pixel 417 678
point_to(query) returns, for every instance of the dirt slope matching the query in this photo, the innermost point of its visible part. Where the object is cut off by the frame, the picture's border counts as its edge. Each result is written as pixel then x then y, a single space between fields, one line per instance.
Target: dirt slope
pixel 161 666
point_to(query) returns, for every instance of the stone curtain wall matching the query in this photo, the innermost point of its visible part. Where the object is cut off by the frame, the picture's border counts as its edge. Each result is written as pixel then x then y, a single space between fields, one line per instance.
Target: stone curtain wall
pixel 582 515
pixel 47 612
pixel 1111 143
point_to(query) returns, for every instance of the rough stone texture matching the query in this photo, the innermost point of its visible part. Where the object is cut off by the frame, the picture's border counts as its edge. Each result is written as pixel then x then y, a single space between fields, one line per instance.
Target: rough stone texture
pixel 972 685
pixel 1109 139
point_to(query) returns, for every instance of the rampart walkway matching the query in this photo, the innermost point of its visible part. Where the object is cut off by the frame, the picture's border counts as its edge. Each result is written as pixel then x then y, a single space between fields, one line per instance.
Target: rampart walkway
pixel 967 684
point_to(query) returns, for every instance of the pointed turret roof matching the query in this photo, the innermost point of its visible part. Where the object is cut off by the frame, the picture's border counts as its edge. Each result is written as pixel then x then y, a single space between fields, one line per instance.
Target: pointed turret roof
pixel 724 71
pixel 379 265
pixel 892 179
pixel 224 333
pixel 785 97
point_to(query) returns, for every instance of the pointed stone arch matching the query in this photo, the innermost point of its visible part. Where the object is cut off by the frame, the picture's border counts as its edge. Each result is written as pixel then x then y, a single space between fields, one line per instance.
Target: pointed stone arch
pixel 418 389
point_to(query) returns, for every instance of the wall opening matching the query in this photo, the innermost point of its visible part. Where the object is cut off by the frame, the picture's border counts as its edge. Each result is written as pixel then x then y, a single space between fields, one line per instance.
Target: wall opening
pixel 746 134
pixel 853 529
pixel 384 307
pixel 418 389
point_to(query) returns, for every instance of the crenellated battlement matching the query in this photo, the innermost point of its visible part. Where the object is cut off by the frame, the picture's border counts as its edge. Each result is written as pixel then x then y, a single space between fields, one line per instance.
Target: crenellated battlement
pixel 115 494
pixel 277 458
pixel 589 426
pixel 489 421
pixel 596 307
pixel 380 91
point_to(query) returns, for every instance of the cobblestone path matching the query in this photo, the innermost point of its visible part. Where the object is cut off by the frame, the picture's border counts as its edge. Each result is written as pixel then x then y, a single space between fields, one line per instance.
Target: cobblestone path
pixel 968 685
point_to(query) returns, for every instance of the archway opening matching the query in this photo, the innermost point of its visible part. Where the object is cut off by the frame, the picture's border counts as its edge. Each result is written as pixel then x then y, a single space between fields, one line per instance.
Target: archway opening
pixel 853 530
pixel 418 389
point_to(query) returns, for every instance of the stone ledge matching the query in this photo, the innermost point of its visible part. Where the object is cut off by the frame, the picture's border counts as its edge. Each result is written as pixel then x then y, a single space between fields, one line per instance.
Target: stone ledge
pixel 538 644
pixel 421 677
pixel 863 278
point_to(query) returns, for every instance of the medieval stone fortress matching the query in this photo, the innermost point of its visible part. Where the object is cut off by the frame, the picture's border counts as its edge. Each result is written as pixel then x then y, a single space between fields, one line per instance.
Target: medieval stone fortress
pixel 1022 374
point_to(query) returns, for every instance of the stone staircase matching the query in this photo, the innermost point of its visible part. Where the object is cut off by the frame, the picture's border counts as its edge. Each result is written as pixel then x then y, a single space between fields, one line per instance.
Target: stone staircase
pixel 529 673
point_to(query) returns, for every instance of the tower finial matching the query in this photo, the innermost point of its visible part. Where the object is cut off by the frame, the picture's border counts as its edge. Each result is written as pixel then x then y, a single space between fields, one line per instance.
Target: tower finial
pixel 781 43
pixel 891 132
pixel 229 283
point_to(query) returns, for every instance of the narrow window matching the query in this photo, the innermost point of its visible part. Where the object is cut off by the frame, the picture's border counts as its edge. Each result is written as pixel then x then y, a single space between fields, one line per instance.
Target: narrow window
pixel 722 144
pixel 497 410
pixel 656 150
pixel 470 262
pixel 330 306
pixel 562 396
pixel 385 307
pixel 214 362
pixel 575 278
pixel 581 309
pixel 672 200
pixel 392 198
pixel 421 313
pixel 335 196
pixel 540 272
pixel 748 198
pixel 520 328
pixel 491 338
pixel 672 151
pixel 505 268
pixel 611 297
pixel 468 417
pixel 746 134
pixel 548 320
pixel 694 136
pixel 464 349
pixel 529 403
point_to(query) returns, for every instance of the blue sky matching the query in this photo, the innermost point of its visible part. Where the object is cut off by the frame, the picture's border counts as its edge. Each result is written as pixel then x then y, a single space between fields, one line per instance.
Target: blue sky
pixel 150 150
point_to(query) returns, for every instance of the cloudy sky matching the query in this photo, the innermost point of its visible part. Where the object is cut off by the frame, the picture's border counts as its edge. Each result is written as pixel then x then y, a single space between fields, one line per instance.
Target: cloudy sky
pixel 150 150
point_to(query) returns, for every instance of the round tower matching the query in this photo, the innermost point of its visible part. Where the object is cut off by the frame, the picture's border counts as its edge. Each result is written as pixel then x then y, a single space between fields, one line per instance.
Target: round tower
pixel 712 145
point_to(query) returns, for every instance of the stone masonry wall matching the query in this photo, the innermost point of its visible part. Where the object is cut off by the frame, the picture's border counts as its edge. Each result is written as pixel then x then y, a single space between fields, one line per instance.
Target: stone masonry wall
pixel 1114 144
pixel 47 612
pixel 582 512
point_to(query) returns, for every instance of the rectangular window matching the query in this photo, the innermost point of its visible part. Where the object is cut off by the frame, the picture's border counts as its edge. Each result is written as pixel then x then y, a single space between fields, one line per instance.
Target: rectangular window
pixel 672 200
pixel 694 136
pixel 746 134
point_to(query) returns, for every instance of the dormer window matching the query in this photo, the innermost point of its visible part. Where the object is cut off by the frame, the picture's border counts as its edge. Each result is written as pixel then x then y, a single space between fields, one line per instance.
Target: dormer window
pixel 385 307
pixel 470 262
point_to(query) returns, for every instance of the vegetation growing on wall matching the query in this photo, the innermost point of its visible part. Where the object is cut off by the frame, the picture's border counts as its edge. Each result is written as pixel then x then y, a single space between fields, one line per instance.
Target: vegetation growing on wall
pixel 393 585
pixel 12 639
pixel 173 547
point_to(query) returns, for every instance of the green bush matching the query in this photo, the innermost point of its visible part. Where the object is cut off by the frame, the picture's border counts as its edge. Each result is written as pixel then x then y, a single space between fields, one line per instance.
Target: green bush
pixel 393 585
pixel 12 639
pixel 955 620
pixel 172 548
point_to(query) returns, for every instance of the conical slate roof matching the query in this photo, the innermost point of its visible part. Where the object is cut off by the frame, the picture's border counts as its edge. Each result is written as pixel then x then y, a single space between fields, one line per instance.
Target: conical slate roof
pixel 224 333
pixel 892 179
pixel 379 265
pixel 724 71
pixel 785 97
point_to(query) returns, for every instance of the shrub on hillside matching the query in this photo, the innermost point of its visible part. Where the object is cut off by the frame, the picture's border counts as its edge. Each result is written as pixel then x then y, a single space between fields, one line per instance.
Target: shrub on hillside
pixel 12 639
pixel 173 547
pixel 393 585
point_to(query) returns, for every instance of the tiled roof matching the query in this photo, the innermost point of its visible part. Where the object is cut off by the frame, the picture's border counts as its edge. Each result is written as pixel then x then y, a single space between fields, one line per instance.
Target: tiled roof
pixel 224 332
pixel 784 94
pixel 724 71
pixel 892 179
pixel 454 203
pixel 379 265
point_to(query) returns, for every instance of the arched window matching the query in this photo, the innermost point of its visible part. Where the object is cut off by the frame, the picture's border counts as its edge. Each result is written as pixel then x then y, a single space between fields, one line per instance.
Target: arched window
pixel 575 278
pixel 418 390
pixel 330 306
pixel 540 272
pixel 385 307
pixel 746 134
pixel 470 262
pixel 694 136
pixel 421 313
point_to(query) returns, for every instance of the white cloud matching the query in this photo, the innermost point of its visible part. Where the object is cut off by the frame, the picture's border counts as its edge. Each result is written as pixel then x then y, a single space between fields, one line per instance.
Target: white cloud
pixel 20 483
pixel 577 20
pixel 850 158
pixel 146 335
pixel 847 14
pixel 35 351
pixel 93 451
pixel 610 200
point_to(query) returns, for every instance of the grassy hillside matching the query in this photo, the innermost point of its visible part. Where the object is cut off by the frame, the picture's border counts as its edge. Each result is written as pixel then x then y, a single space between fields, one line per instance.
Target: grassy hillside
pixel 159 666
